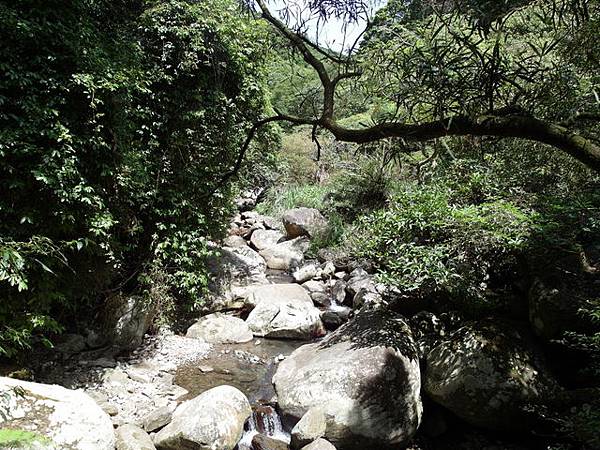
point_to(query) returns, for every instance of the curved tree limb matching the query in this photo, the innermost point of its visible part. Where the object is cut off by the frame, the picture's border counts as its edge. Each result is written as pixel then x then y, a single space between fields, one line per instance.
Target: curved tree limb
pixel 501 123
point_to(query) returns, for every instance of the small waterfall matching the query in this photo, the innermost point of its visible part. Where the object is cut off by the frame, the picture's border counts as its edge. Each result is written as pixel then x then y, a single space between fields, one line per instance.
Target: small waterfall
pixel 264 420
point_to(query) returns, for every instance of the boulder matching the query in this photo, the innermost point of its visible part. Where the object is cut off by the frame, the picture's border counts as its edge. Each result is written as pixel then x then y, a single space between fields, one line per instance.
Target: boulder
pixel 284 311
pixel 304 222
pixel 220 328
pixel 319 444
pixel 310 428
pixel 234 241
pixel 335 317
pixel 484 372
pixel 127 319
pixel 286 255
pixel 359 279
pixel 214 420
pixel 67 419
pixel 132 437
pixel 158 418
pixel 305 273
pixel 262 239
pixel 365 376
pixel 314 286
pixel 262 442
pixel 232 269
pixel 554 306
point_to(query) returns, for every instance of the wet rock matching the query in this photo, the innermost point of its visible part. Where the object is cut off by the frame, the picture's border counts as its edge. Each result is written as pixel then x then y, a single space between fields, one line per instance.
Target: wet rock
pixel 284 311
pixel 310 428
pixel 321 298
pixel 484 372
pixel 262 239
pixel 319 444
pixel 304 222
pixel 157 418
pixel 286 255
pixel 365 376
pixel 132 437
pixel 220 328
pixel 234 241
pixel 68 419
pixel 338 292
pixel 305 273
pixel 366 295
pixel 213 420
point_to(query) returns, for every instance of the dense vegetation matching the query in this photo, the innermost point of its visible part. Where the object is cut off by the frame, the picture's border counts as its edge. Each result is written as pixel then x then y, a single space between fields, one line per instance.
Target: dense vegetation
pixel 118 121
pixel 454 152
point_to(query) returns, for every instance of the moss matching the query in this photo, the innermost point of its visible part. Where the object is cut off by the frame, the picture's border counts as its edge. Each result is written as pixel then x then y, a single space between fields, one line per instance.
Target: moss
pixel 10 438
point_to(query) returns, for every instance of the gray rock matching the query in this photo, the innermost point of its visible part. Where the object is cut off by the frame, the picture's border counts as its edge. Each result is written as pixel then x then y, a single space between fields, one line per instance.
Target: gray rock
pixel 234 241
pixel 68 419
pixel 304 222
pixel 262 442
pixel 270 223
pixel 483 372
pixel 128 319
pixel 366 378
pixel 366 295
pixel 310 428
pixel 284 311
pixel 220 328
pixel 286 255
pixel 336 317
pixel 214 420
pixel 132 437
pixel 262 239
pixel 338 292
pixel 304 273
pixel 321 298
pixel 158 418
pixel 314 286
pixel 319 444
pixel 231 270
pixel 359 279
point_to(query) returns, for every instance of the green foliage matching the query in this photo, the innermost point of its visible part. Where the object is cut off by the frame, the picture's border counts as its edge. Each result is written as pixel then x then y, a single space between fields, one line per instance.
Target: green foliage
pixel 20 439
pixel 292 196
pixel 423 243
pixel 118 121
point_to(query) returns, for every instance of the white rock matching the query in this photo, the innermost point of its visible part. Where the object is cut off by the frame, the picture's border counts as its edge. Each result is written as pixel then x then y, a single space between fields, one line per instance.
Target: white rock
pixel 220 328
pixel 132 437
pixel 262 239
pixel 69 419
pixel 305 273
pixel 286 255
pixel 214 420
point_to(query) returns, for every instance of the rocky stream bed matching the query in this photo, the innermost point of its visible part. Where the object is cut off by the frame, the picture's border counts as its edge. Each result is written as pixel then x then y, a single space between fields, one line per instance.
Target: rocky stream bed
pixel 293 353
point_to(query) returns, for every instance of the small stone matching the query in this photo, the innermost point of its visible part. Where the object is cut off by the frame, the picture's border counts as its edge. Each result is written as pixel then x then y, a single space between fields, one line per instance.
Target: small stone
pixel 109 409
pixel 206 369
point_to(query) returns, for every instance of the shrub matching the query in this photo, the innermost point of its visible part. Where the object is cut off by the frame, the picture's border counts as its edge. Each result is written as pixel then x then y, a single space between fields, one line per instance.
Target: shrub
pixel 422 243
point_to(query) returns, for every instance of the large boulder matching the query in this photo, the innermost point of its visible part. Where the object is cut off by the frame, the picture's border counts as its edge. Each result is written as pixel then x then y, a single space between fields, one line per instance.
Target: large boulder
pixel 127 319
pixel 319 444
pixel 365 377
pixel 65 419
pixel 284 311
pixel 304 222
pixel 262 239
pixel 220 328
pixel 286 255
pixel 232 269
pixel 485 372
pixel 214 420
